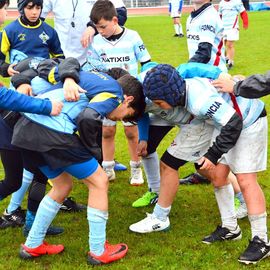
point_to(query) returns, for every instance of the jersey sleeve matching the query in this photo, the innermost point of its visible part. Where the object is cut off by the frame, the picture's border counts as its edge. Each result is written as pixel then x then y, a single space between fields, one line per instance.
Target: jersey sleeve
pixel 55 46
pixel 14 101
pixel 104 103
pixel 4 49
pixel 46 9
pixel 141 52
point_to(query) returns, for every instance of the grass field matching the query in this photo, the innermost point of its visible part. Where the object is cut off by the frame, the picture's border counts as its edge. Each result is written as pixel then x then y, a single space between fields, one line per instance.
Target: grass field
pixel 194 213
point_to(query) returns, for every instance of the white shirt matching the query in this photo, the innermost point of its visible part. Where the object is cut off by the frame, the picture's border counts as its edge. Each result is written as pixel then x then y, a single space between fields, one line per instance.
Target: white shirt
pixel 67 12
pixel 229 11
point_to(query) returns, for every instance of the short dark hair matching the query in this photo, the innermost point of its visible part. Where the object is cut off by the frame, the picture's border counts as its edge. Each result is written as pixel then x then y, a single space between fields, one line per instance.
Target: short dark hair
pixel 116 72
pixel 132 87
pixel 3 3
pixel 103 9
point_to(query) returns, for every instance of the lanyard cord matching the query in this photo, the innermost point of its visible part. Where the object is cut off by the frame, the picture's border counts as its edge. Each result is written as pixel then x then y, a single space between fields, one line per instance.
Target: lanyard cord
pixel 74 10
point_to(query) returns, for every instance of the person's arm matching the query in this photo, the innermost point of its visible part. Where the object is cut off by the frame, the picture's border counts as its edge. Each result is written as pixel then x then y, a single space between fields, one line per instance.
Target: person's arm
pixel 255 86
pixel 244 17
pixel 88 34
pixel 14 101
pixel 3 52
pixel 203 53
pixel 191 70
pixel 227 138
pixel 89 124
pixel 55 46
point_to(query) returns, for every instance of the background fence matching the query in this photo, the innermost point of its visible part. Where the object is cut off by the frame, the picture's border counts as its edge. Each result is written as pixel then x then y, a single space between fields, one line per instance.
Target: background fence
pixel 140 3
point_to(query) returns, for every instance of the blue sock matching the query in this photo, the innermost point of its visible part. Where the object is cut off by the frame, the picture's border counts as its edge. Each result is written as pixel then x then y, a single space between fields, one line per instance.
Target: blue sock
pixel 161 213
pixel 151 169
pixel 17 197
pixel 97 220
pixel 47 210
pixel 29 219
pixel 240 197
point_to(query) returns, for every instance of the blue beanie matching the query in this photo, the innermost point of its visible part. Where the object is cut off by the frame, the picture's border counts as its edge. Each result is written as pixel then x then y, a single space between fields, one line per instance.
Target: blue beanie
pixel 163 82
pixel 21 4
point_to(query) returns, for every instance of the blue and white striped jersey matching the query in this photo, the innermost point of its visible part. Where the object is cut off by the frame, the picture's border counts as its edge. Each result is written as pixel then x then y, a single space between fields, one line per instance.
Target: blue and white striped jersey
pixel 229 11
pixel 125 52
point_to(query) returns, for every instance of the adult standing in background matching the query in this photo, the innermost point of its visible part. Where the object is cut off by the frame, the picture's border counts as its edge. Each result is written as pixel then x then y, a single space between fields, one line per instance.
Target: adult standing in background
pixel 71 18
pixel 70 22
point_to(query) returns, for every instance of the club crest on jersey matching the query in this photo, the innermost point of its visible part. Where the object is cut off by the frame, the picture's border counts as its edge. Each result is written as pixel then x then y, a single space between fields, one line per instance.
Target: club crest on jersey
pixel 21 37
pixel 212 109
pixel 142 47
pixel 44 37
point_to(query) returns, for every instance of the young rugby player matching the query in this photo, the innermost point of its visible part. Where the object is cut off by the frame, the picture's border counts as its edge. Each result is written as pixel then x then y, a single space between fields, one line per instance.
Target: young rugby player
pixel 228 142
pixel 117 46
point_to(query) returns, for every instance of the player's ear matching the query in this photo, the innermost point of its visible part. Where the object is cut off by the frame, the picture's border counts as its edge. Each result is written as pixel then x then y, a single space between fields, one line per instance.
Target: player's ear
pixel 115 20
pixel 128 99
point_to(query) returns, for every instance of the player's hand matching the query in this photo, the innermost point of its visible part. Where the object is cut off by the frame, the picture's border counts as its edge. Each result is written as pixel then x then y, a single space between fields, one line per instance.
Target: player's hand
pixel 224 85
pixel 206 164
pixel 72 90
pixel 56 107
pixel 25 89
pixel 224 75
pixel 142 148
pixel 11 71
pixel 87 36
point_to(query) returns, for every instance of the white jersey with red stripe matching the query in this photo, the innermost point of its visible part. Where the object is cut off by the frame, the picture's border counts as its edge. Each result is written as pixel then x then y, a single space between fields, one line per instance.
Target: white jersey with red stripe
pixel 207 27
pixel 229 11
pixel 204 102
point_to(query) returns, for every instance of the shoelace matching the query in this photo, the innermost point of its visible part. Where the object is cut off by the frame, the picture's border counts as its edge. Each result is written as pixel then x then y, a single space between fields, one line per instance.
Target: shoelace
pixel 219 232
pixel 136 173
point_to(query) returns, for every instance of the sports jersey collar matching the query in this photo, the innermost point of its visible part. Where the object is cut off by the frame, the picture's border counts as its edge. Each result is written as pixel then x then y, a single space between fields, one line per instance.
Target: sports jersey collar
pixel 195 13
pixel 116 37
pixel 25 23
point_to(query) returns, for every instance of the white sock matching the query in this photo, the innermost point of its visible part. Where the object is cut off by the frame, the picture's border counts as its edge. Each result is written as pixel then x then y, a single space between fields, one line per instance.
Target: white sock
pixel 258 226
pixel 180 29
pixel 109 165
pixel 151 169
pixel 135 164
pixel 225 199
pixel 176 28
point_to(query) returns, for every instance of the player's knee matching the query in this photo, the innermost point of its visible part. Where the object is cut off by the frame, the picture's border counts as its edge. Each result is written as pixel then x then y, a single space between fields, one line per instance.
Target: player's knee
pixel 131 134
pixel 108 132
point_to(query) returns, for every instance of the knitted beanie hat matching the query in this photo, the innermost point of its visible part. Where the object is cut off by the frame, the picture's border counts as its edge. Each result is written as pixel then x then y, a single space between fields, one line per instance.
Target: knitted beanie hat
pixel 163 82
pixel 23 3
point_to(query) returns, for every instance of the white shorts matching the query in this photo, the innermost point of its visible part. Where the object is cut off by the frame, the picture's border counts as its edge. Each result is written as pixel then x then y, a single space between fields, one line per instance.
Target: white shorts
pixel 175 14
pixel 192 141
pixel 249 154
pixel 231 34
pixel 158 121
pixel 110 123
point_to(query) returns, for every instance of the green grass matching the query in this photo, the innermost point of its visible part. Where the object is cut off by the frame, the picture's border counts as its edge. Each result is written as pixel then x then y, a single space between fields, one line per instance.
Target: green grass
pixel 194 213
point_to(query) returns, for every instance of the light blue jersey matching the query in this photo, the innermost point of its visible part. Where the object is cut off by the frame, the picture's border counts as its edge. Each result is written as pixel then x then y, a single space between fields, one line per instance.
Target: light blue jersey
pixel 204 102
pixel 124 52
